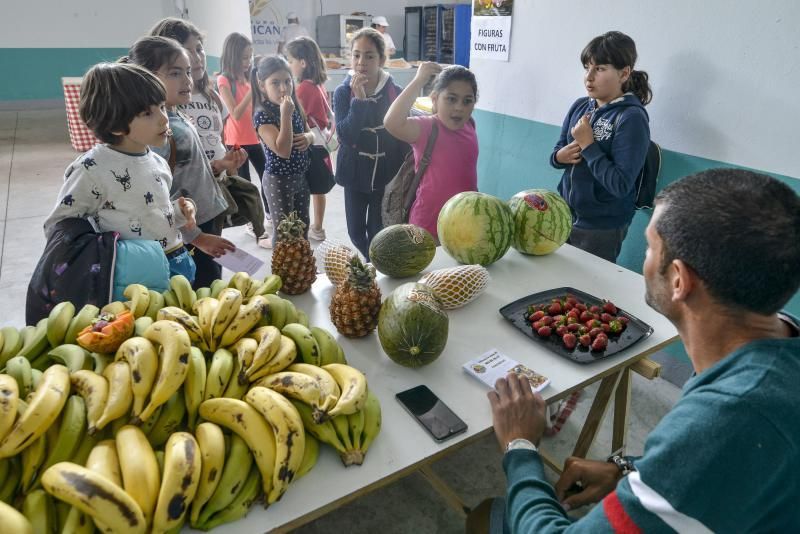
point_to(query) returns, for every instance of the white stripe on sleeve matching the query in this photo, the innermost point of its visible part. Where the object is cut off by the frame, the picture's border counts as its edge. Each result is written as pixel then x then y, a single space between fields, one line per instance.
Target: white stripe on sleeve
pixel 659 506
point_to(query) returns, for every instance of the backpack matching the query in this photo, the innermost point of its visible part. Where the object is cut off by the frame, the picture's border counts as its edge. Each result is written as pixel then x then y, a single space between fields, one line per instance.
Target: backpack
pixel 647 181
pixel 401 192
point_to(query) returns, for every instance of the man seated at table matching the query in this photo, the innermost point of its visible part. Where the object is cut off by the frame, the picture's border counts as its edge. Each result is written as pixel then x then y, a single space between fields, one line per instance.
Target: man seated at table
pixel 723 258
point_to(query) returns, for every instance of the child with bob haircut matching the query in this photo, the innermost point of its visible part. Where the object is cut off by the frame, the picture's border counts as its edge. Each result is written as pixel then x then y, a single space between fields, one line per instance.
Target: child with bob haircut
pixel 281 125
pixel 308 68
pixel 453 166
pixel 122 185
pixel 603 145
pixel 192 173
pixel 368 156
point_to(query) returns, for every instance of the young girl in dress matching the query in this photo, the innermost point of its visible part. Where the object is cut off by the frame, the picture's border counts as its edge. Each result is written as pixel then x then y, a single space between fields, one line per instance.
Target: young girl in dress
pixel 454 159
pixel 308 68
pixel 368 156
pixel 603 145
pixel 282 128
pixel 192 173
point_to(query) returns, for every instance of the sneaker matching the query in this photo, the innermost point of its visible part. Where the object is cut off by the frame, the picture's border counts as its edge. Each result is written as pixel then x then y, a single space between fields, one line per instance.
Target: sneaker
pixel 265 243
pixel 248 229
pixel 316 235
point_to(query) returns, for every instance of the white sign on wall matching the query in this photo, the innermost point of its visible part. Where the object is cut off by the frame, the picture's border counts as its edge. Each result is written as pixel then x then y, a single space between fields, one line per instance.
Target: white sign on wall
pixel 491 29
pixel 268 21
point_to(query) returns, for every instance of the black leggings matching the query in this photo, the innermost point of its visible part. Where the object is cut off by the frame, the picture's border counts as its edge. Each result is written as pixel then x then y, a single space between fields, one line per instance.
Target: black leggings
pixel 255 153
pixel 207 269
pixel 363 211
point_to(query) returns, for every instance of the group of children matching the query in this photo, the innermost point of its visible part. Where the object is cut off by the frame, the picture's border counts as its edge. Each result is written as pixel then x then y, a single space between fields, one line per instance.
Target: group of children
pixel 168 138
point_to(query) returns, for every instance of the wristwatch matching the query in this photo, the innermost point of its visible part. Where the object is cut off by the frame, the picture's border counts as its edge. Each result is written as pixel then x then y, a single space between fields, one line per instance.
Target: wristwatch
pixel 521 443
pixel 623 464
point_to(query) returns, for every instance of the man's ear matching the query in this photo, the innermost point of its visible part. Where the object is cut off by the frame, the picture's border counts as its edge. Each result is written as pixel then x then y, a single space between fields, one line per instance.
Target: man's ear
pixel 682 280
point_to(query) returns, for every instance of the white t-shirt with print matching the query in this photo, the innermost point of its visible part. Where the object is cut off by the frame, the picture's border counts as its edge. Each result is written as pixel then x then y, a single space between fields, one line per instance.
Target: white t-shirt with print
pixel 208 119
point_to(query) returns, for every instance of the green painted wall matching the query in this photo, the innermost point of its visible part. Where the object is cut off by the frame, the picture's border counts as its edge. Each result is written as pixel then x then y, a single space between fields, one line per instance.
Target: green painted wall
pixel 35 73
pixel 515 153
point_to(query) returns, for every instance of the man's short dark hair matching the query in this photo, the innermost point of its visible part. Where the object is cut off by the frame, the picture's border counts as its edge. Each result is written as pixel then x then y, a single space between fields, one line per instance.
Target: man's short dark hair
pixel 739 231
pixel 113 94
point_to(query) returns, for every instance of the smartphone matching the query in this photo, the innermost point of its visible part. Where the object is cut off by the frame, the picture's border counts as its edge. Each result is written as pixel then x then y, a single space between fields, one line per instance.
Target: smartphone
pixel 431 412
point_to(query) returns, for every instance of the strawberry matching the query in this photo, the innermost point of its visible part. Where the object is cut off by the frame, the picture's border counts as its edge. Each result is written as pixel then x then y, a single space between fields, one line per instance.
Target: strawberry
pixel 574 313
pixel 560 319
pixel 606 317
pixel 593 323
pixel 606 328
pixel 594 332
pixel 544 331
pixel 600 343
pixel 581 307
pixel 536 316
pixel 582 330
pixel 547 320
pixel 237 147
pixel 555 308
pixel 586 316
pixel 595 309
pixel 616 326
pixel 609 307
pixel 624 320
pixel 561 330
pixel 572 300
pixel 585 340
pixel 572 320
pixel 573 327
pixel 570 341
pixel 568 306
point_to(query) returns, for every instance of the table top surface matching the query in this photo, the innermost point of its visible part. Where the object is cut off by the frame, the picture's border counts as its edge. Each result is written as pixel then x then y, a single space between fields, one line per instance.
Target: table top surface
pixel 403 445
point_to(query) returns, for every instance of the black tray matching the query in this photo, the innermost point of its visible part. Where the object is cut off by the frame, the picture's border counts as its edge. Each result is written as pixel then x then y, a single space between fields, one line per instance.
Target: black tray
pixel 634 332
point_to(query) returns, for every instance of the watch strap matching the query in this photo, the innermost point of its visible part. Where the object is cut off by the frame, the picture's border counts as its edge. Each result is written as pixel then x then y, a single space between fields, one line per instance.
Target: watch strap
pixel 521 444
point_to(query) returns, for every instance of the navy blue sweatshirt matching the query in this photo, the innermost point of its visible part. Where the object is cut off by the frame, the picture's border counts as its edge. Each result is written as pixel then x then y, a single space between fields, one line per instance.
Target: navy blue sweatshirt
pixel 601 189
pixel 368 157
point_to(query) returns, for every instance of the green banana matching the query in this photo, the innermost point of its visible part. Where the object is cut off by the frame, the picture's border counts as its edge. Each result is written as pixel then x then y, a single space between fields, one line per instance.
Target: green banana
pixel 182 288
pixel 240 505
pixel 12 343
pixel 310 455
pixel 271 284
pixel 156 303
pixel 34 341
pixel 291 311
pixel 77 522
pixel 74 357
pixel 82 319
pixel 139 297
pixel 20 368
pixel 81 454
pixel 217 286
pixel 39 508
pixel 238 464
pixel 58 322
pixel 325 432
pixel 307 346
pixel 220 373
pixel 71 432
pixel 9 485
pixel 328 346
pixel 203 292
pixel 277 311
pixel 101 361
pixel 141 324
pixel 194 387
pixel 169 421
pixel 170 299
pixel 36 374
pixel 302 318
pixel 33 458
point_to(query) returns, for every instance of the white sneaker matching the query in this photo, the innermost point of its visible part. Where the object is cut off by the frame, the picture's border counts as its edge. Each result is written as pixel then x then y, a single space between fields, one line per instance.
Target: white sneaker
pixel 316 235
pixel 265 243
pixel 248 229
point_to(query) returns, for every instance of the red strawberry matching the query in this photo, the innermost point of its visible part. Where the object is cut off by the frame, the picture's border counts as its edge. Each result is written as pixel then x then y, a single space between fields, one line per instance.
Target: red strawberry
pixel 572 320
pixel 555 308
pixel 585 340
pixel 572 300
pixel 569 341
pixel 616 326
pixel 544 331
pixel 573 327
pixel 547 320
pixel 568 306
pixel 599 343
pixel 594 332
pixel 561 330
pixel 609 307
pixel 624 320
pixel 574 313
pixel 593 323
pixel 595 309
pixel 560 319
pixel 582 330
pixel 606 317
pixel 537 325
pixel 586 316
pixel 536 316
pixel 581 307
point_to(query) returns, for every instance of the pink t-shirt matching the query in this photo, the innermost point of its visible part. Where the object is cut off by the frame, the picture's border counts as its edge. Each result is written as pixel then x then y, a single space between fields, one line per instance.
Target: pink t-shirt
pixel 239 131
pixel 453 169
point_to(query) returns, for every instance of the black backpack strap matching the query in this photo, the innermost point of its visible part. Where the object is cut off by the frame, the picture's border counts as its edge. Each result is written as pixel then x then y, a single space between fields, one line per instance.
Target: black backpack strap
pixel 411 195
pixel 173 154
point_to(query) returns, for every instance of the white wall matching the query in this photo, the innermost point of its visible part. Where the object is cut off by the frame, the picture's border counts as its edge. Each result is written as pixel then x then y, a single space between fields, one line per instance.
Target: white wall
pixel 725 78
pixel 217 20
pixel 78 23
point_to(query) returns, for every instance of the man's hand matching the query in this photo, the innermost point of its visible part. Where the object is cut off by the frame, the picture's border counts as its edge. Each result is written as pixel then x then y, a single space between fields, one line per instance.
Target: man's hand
pixel 596 479
pixel 188 210
pixel 517 411
pixel 570 154
pixel 213 245
pixel 582 132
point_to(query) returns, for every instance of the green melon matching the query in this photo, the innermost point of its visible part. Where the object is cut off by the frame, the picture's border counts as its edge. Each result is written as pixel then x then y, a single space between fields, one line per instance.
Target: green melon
pixel 542 221
pixel 402 250
pixel 475 228
pixel 412 326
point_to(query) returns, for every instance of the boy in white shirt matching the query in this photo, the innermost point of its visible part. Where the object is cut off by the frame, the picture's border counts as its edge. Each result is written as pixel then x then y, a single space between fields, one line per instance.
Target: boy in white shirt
pixel 122 185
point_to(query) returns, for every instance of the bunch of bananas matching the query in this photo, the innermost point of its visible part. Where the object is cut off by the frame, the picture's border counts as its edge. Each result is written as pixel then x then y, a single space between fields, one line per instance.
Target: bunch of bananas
pixel 220 396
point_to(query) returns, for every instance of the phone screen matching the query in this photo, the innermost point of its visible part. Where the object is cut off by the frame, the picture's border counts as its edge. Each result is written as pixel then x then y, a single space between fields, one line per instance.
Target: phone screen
pixel 431 412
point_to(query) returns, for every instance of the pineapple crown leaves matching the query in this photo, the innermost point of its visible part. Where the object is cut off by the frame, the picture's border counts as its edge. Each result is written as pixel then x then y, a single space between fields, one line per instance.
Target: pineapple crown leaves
pixel 361 276
pixel 291 228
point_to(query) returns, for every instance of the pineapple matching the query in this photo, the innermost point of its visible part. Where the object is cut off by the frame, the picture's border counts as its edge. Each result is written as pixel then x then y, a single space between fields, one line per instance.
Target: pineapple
pixel 292 258
pixel 357 301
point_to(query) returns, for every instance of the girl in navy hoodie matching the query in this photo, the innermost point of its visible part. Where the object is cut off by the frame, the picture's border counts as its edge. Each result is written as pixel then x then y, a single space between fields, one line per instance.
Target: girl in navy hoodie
pixel 603 145
pixel 368 156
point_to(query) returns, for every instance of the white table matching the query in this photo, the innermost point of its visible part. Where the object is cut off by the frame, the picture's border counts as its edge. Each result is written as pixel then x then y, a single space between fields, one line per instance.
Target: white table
pixel 402 77
pixel 403 445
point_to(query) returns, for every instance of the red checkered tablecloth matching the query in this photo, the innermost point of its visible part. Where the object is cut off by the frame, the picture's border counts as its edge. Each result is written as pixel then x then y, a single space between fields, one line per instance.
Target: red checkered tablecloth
pixel 81 137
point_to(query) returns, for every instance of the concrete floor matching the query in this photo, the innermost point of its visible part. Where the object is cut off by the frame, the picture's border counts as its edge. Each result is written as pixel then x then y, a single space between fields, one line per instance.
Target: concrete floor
pixel 35 150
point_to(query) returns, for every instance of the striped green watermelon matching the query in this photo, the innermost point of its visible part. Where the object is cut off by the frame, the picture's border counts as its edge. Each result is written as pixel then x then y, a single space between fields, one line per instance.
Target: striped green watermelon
pixel 475 228
pixel 412 326
pixel 542 221
pixel 402 250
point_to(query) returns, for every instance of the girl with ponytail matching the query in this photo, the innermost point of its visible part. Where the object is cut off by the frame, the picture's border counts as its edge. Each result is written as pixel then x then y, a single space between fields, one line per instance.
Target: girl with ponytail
pixel 603 145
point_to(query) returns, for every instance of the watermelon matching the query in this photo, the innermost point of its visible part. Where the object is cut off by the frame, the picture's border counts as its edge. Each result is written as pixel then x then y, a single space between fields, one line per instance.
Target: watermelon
pixel 402 250
pixel 475 228
pixel 542 221
pixel 412 326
